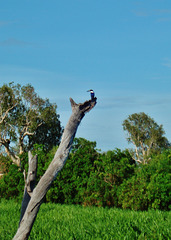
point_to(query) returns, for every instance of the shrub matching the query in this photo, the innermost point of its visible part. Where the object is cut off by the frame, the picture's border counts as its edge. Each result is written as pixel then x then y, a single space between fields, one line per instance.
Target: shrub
pixel 12 184
pixel 111 169
pixel 150 187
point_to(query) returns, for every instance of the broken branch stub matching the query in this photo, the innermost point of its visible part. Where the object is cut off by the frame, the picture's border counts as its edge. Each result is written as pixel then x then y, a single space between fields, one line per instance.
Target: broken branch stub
pixel 37 196
pixel 30 182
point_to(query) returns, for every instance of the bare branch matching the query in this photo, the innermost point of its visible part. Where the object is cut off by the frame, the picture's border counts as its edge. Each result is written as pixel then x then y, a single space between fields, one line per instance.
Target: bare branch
pixel 28 134
pixel 137 154
pixel 108 182
pixel 25 131
pixel 6 113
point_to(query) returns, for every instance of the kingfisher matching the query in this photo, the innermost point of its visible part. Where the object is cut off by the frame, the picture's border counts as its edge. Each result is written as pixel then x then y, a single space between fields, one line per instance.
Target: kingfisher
pixel 92 94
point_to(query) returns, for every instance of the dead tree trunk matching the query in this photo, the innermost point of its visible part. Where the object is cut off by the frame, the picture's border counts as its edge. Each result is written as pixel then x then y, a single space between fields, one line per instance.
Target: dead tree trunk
pixel 37 196
pixel 30 182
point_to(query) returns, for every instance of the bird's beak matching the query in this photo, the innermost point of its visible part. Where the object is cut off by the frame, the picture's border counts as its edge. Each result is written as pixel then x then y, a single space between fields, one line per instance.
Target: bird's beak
pixel 88 91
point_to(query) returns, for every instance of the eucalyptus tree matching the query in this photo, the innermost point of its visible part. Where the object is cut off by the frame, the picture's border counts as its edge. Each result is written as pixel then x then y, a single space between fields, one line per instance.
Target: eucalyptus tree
pixel 25 119
pixel 146 136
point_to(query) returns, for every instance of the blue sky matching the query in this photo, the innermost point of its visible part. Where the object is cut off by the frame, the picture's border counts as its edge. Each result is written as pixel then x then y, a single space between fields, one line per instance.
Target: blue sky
pixel 121 49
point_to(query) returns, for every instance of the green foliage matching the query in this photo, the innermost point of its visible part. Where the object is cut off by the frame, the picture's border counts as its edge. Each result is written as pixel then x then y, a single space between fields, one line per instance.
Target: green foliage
pixel 91 178
pixel 110 170
pixel 4 164
pixel 132 194
pixel 12 184
pixel 150 187
pixel 56 221
pixel 26 119
pixel 159 191
pixel 9 99
pixel 43 160
pixel 49 132
pixel 146 135
pixel 71 183
pixel 159 187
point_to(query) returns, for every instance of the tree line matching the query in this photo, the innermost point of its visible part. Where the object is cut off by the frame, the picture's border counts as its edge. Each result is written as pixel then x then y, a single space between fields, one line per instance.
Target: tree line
pixel 92 178
pixel 136 179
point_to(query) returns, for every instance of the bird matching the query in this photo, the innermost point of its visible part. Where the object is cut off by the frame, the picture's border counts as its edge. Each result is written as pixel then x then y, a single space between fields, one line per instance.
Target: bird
pixel 92 94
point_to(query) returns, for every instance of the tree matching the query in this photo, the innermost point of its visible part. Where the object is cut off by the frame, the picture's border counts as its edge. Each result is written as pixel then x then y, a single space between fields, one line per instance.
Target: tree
pixel 71 184
pixel 32 203
pixel 146 135
pixel 110 170
pixel 9 99
pixel 25 119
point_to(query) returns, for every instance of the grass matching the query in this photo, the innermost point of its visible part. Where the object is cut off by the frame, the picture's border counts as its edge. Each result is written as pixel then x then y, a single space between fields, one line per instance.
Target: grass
pixel 65 222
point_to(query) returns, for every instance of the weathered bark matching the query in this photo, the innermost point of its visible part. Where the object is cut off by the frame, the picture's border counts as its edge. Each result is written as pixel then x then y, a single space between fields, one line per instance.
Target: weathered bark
pixel 30 182
pixel 78 112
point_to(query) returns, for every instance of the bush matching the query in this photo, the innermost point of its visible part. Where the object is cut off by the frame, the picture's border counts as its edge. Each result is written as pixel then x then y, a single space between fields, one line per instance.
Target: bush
pixel 132 194
pixel 111 169
pixel 5 163
pixel 159 187
pixel 71 183
pixel 12 184
pixel 150 187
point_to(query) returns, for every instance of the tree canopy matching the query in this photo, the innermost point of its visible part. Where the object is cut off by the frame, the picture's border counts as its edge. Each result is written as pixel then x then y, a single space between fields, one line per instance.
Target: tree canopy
pixel 146 135
pixel 92 178
pixel 26 119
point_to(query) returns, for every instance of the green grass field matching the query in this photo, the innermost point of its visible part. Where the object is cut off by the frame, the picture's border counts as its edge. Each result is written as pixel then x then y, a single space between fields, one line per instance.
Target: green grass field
pixel 65 222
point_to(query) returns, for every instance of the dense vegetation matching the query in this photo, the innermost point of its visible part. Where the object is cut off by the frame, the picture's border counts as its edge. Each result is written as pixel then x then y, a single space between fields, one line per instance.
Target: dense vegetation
pixel 92 178
pixel 136 180
pixel 56 221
